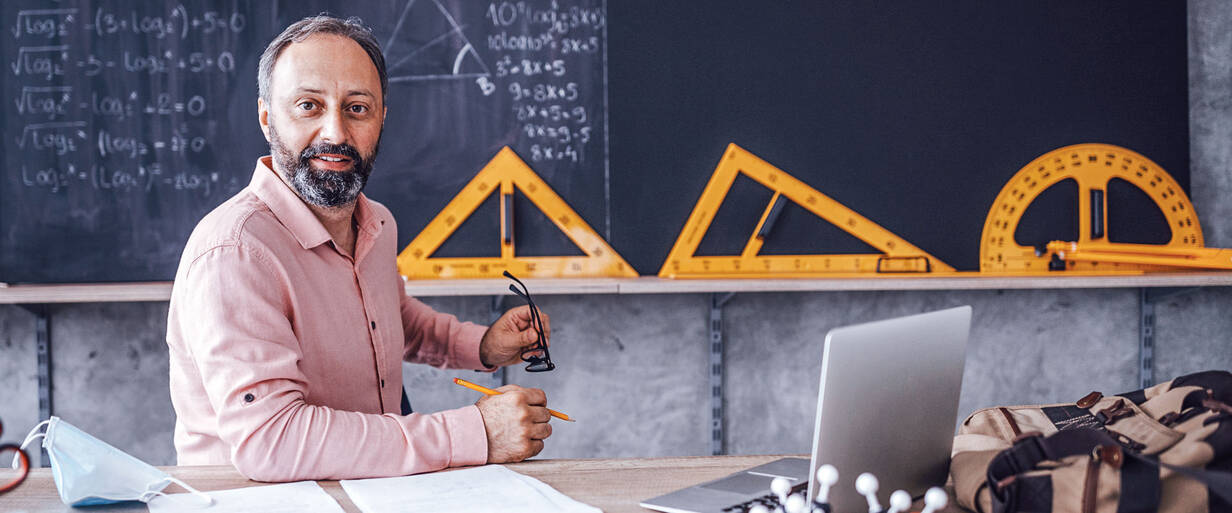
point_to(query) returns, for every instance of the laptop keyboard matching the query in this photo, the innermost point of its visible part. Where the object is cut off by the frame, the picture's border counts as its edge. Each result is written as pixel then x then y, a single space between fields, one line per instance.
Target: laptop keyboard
pixel 770 500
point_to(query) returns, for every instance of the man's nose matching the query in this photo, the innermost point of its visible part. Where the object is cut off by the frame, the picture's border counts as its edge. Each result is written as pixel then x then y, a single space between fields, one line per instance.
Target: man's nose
pixel 332 128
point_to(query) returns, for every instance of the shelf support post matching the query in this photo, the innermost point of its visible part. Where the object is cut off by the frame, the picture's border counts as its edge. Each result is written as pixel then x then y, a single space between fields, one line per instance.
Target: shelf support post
pixel 42 345
pixel 715 330
pixel 1147 297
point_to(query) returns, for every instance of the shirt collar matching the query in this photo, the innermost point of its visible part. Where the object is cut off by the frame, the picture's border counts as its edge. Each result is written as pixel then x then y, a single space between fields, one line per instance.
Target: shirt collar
pixel 293 213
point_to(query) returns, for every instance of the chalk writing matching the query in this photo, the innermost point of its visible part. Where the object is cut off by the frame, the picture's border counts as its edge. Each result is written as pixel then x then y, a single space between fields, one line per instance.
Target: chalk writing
pixel 538 45
pixel 122 129
pixel 129 121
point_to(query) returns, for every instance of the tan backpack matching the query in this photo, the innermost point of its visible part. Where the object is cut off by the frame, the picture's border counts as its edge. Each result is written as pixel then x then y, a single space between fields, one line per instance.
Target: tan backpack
pixel 1166 448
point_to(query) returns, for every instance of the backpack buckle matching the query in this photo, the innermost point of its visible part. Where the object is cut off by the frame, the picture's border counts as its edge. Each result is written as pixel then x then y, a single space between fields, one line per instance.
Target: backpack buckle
pixel 1027 452
pixel 1117 411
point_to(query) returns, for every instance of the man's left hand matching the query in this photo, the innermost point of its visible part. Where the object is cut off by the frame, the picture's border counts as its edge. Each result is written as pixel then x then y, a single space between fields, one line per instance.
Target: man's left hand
pixel 509 336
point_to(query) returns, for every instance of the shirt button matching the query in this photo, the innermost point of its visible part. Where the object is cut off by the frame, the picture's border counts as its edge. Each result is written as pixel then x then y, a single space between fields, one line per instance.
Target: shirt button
pixel 248 398
pixel 373 324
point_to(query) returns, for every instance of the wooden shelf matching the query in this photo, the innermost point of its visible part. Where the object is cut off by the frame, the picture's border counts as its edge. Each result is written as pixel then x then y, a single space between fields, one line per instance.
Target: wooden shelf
pixel 161 291
pixel 85 293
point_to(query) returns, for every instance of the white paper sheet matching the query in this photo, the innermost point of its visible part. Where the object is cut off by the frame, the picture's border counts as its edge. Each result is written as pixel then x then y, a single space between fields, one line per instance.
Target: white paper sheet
pixel 487 488
pixel 304 496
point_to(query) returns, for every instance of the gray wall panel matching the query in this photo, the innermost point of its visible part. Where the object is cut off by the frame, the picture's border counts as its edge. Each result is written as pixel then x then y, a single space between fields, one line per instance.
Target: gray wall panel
pixel 18 374
pixel 111 375
pixel 1210 117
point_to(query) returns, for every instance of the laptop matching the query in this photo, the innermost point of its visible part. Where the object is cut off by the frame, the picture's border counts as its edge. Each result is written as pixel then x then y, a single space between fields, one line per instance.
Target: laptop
pixel 887 403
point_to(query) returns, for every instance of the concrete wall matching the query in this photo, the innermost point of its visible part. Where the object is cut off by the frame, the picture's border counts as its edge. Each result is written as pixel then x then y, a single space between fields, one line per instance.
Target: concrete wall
pixel 633 369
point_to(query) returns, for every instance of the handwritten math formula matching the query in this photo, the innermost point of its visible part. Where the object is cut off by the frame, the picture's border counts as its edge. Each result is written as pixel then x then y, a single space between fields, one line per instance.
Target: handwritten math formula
pixel 541 49
pixel 119 98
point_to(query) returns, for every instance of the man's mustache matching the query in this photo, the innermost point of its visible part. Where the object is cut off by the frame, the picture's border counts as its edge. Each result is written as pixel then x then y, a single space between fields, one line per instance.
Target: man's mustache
pixel 318 149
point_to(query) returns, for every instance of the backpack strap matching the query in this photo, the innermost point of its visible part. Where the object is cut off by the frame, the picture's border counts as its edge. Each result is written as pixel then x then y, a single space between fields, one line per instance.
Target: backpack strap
pixel 1032 448
pixel 1027 452
pixel 1217 482
pixel 1140 488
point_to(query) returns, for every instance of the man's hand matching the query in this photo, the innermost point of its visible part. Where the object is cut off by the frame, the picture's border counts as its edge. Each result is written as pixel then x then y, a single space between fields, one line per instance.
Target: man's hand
pixel 516 423
pixel 505 340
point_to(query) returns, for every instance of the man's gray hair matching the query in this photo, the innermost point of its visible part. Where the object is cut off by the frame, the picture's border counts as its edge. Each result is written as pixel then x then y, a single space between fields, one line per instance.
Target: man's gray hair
pixel 352 27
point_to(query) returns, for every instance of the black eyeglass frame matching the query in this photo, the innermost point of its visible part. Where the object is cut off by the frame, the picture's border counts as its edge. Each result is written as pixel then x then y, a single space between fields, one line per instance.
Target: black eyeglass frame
pixel 536 363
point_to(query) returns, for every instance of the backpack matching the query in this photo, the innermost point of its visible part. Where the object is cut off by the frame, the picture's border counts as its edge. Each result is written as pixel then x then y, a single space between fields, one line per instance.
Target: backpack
pixel 1165 448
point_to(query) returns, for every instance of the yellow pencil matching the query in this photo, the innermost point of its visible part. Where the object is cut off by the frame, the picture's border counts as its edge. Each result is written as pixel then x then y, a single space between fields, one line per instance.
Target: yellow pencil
pixel 489 391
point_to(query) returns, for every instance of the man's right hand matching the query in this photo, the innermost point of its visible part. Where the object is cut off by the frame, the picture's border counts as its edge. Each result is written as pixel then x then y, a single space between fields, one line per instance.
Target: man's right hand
pixel 516 422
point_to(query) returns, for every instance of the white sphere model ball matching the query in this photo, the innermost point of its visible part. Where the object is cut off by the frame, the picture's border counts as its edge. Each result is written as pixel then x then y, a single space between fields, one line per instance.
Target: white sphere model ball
pixel 796 504
pixel 900 500
pixel 780 486
pixel 866 484
pixel 827 474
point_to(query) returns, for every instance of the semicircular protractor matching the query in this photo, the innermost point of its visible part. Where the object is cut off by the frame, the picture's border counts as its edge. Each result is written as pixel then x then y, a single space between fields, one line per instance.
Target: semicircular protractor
pixel 1092 167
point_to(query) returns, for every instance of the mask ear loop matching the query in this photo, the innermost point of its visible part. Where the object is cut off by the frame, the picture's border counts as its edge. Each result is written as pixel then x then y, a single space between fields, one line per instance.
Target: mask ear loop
pixel 30 438
pixel 150 495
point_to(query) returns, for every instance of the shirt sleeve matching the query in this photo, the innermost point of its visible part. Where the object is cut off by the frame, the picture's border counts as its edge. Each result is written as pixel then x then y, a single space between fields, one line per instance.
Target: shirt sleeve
pixel 439 339
pixel 239 334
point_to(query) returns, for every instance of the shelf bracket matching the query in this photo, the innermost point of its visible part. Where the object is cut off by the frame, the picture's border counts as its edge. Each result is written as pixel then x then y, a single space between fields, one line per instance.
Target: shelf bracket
pixel 715 330
pixel 1147 297
pixel 42 344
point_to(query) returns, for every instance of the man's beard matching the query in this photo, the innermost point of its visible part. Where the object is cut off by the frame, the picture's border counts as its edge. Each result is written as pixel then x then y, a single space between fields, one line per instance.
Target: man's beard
pixel 323 188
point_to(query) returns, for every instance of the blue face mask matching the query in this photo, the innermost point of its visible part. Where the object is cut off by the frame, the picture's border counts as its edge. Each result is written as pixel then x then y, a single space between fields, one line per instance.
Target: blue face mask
pixel 88 471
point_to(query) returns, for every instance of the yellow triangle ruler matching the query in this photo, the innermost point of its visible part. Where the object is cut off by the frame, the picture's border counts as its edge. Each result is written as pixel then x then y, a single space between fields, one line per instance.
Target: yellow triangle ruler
pixel 899 256
pixel 501 175
pixel 1092 166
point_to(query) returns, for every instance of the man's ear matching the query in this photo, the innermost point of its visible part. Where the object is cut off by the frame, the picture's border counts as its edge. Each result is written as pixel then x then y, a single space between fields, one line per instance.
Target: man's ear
pixel 263 117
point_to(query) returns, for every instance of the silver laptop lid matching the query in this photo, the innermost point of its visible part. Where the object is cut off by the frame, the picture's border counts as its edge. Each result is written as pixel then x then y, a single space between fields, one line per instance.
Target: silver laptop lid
pixel 887 403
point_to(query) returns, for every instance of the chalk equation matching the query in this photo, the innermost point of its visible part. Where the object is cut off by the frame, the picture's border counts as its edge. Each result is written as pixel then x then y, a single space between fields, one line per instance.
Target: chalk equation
pixel 538 47
pixel 55 102
pixel 140 178
pixel 540 56
pixel 93 102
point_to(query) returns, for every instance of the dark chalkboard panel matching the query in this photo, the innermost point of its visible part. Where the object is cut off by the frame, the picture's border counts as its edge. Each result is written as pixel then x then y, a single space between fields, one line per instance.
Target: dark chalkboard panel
pixel 131 120
pixel 128 121
pixel 914 114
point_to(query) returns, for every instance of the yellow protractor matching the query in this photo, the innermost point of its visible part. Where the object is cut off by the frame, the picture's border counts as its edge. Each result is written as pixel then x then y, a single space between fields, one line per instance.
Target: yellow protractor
pixel 1092 166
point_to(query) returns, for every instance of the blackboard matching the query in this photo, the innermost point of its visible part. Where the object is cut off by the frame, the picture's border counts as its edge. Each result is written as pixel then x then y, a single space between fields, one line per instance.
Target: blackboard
pixel 128 122
pixel 132 120
pixel 914 114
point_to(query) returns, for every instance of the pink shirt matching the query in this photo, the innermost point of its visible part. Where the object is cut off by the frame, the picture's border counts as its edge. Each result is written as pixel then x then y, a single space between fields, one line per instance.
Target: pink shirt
pixel 286 353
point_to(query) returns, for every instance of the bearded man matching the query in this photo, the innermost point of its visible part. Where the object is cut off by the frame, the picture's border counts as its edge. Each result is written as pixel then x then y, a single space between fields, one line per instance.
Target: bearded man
pixel 289 323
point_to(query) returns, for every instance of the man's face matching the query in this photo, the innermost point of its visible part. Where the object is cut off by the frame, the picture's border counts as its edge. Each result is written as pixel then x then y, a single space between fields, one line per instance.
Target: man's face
pixel 324 118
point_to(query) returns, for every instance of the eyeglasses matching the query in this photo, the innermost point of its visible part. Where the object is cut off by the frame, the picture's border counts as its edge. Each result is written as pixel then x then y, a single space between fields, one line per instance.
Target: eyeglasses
pixel 21 463
pixel 530 355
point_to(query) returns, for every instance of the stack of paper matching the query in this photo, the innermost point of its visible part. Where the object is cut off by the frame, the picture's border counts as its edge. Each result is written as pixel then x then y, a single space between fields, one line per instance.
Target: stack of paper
pixel 487 488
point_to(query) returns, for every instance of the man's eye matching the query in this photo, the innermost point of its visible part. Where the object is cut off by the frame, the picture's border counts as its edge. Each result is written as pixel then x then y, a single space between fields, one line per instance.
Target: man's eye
pixel 359 109
pixel 306 106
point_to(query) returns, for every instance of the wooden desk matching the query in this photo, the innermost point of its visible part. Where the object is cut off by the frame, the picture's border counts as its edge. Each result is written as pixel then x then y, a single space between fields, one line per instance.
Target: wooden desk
pixel 614 485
